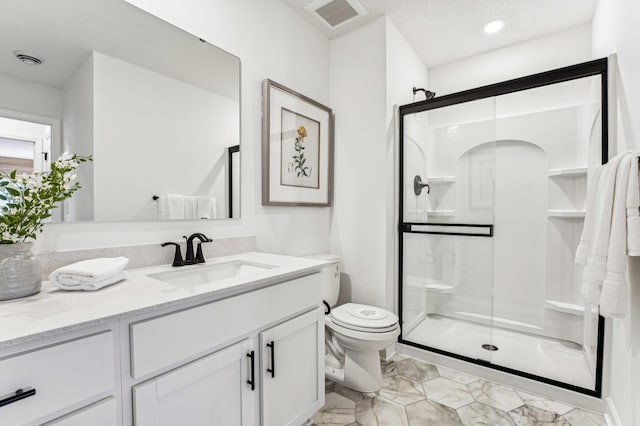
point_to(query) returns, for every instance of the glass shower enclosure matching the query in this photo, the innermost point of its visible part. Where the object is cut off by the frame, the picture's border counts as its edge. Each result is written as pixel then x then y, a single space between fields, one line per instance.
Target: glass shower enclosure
pixel 492 205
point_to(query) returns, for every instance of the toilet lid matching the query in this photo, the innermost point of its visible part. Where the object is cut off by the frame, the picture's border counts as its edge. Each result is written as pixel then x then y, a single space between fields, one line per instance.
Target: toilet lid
pixel 353 315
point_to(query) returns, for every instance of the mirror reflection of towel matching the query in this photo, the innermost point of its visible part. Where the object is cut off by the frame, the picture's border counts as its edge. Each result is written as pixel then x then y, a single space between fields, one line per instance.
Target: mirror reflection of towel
pixel 171 206
pixel 176 207
pixel 207 207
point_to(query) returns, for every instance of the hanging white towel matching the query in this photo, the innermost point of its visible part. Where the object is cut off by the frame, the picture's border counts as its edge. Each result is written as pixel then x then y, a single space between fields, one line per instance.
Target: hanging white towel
pixel 92 274
pixel 596 266
pixel 633 207
pixel 584 247
pixel 163 207
pixel 612 295
pixel 611 232
pixel 207 207
pixel 190 207
pixel 172 206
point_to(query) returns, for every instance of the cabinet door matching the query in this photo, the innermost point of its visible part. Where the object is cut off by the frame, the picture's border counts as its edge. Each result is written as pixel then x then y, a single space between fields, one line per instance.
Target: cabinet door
pixel 213 390
pixel 292 370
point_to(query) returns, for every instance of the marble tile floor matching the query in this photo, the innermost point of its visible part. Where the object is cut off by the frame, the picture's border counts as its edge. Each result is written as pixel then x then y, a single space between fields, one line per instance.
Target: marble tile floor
pixel 416 393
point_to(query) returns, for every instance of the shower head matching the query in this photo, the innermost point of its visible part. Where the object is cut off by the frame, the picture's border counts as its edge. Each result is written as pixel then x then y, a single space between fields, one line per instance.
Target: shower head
pixel 427 93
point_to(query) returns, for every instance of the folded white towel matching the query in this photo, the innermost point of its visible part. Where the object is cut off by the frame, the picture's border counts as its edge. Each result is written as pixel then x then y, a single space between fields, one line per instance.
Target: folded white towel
pixel 207 207
pixel 92 274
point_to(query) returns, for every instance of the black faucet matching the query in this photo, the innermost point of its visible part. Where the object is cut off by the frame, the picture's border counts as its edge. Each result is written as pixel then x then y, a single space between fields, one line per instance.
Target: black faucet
pixel 190 259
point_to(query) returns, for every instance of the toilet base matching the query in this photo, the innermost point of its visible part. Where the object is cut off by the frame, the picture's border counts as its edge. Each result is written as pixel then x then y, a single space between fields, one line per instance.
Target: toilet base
pixel 362 372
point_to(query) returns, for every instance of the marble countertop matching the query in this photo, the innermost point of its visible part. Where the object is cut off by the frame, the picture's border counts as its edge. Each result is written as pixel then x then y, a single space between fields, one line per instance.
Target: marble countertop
pixel 54 311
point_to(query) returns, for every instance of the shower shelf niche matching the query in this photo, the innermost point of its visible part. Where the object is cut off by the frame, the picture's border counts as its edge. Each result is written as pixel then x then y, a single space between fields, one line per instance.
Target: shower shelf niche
pixel 565 307
pixel 570 214
pixel 439 288
pixel 441 213
pixel 431 285
pixel 441 179
pixel 569 172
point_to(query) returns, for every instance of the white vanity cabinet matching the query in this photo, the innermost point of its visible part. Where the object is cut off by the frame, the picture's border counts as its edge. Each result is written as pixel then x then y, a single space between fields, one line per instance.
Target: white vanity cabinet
pixel 102 413
pixel 218 389
pixel 245 353
pixel 223 388
pixel 57 378
pixel 292 383
pixel 213 380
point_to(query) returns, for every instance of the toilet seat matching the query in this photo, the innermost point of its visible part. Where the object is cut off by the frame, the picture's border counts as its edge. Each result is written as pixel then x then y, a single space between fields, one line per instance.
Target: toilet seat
pixel 364 318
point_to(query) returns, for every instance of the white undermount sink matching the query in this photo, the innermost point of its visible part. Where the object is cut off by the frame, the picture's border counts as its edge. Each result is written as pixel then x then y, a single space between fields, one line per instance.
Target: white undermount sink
pixel 207 274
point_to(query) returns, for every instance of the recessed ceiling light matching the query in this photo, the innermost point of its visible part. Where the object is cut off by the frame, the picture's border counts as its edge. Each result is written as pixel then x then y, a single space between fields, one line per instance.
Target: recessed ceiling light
pixel 494 26
pixel 28 57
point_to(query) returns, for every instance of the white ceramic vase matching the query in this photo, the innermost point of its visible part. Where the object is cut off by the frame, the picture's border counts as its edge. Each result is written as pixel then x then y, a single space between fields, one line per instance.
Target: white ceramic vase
pixel 20 271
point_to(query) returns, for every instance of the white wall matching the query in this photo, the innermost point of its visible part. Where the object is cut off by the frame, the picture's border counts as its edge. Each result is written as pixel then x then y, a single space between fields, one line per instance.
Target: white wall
pixel 77 106
pixel 616 30
pixel 405 71
pixel 32 98
pixel 372 68
pixel 358 98
pixel 272 41
pixel 540 54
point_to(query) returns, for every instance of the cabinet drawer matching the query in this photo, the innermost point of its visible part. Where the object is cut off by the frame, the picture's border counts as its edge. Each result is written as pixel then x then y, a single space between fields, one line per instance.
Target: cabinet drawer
pixel 165 341
pixel 61 375
pixel 102 413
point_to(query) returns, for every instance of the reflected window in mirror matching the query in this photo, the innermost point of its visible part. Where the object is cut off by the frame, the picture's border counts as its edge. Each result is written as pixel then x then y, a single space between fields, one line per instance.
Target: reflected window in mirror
pixel 25 146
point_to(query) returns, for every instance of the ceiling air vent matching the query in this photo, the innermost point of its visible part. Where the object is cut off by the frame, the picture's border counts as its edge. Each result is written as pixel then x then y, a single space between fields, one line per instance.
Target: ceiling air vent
pixel 336 12
pixel 28 58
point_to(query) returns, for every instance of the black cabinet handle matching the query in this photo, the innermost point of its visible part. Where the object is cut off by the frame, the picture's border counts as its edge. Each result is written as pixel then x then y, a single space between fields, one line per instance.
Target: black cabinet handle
pixel 17 396
pixel 252 382
pixel 272 370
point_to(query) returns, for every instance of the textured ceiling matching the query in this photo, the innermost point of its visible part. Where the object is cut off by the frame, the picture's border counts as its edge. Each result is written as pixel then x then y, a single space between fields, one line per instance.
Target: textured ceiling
pixel 442 31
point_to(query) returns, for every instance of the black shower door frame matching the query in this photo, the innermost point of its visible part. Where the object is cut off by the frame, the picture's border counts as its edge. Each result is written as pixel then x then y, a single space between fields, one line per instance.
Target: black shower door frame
pixel 596 67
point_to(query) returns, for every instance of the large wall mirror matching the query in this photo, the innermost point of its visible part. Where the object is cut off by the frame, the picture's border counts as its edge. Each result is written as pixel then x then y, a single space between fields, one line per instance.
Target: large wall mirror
pixel 156 107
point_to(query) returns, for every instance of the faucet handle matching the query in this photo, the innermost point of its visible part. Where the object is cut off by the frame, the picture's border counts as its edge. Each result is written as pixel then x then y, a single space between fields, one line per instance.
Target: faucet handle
pixel 199 254
pixel 177 256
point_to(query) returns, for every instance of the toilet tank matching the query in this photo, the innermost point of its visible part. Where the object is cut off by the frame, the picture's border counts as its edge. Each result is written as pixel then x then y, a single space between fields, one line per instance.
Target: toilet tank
pixel 331 273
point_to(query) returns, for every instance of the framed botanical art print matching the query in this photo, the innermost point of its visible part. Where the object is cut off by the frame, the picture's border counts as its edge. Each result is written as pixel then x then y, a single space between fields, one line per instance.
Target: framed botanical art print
pixel 297 149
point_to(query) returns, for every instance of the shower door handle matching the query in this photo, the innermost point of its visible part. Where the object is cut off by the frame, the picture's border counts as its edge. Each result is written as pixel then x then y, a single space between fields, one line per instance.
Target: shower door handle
pixel 460 229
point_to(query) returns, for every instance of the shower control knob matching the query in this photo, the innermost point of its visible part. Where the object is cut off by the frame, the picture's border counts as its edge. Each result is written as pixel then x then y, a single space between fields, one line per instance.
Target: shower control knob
pixel 418 185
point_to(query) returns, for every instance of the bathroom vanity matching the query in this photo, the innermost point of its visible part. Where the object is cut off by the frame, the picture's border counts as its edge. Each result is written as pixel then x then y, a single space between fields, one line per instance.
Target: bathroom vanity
pixel 236 341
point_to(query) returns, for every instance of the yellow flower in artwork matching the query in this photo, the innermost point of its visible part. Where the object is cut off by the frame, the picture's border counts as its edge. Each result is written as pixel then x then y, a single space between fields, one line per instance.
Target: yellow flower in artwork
pixel 302 132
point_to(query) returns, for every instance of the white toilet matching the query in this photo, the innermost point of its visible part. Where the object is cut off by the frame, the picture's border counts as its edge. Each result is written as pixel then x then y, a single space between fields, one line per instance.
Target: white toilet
pixel 354 336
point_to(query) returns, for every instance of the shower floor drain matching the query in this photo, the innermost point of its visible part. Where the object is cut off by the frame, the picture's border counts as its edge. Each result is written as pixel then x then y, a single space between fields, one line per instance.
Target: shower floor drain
pixel 490 347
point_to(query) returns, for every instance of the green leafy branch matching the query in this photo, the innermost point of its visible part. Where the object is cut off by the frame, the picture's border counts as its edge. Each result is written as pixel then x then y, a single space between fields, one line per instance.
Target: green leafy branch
pixel 299 160
pixel 27 199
